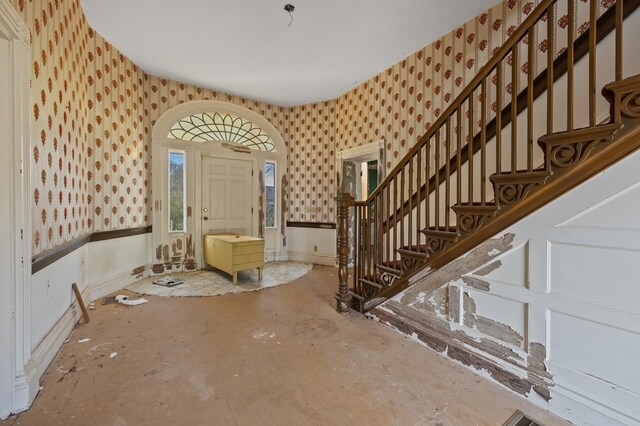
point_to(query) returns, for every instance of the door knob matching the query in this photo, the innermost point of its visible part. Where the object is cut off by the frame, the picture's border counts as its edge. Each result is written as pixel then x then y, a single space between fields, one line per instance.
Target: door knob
pixel 205 218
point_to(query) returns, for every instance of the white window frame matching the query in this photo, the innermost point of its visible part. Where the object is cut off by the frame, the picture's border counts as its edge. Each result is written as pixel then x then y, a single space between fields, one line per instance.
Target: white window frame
pixel 275 194
pixel 184 190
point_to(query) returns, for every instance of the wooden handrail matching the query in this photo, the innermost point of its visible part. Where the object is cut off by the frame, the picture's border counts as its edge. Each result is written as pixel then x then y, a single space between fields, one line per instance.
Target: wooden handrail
pixel 484 72
pixel 606 25
pixel 395 237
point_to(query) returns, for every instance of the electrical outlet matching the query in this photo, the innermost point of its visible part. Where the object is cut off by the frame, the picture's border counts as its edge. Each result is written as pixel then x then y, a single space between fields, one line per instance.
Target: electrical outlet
pixel 315 248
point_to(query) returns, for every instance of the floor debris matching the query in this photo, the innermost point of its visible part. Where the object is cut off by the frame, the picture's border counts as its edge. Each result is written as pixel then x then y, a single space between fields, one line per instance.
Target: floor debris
pixel 121 298
pixel 169 281
pixel 98 348
pixel 113 354
pixel 83 340
pixel 109 300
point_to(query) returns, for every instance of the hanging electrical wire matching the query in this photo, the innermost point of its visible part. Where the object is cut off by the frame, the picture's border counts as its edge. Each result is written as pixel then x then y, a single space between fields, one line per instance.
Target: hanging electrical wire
pixel 289 8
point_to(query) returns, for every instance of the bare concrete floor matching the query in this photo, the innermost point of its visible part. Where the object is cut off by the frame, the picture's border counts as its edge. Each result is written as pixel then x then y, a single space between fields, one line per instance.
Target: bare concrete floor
pixel 281 356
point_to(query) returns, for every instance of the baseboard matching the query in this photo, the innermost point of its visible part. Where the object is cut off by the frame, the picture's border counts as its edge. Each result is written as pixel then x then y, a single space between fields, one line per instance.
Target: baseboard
pixel 116 283
pixel 272 256
pixel 315 258
pixel 27 389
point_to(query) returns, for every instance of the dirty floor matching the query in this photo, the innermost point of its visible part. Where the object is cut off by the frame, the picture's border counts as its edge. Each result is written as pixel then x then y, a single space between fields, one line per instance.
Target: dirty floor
pixel 281 356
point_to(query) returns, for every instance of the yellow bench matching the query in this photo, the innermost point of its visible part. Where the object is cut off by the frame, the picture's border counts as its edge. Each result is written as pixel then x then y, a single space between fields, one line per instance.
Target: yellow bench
pixel 234 253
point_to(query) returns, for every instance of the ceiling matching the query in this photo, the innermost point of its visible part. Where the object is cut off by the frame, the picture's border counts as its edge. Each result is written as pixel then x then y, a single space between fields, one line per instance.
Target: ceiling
pixel 246 48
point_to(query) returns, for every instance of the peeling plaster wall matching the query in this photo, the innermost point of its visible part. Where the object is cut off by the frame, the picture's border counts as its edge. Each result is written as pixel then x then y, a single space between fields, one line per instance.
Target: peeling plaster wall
pixel 550 308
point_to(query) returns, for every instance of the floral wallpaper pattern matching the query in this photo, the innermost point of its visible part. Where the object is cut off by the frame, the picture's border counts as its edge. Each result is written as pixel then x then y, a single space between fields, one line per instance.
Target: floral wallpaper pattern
pixel 93 112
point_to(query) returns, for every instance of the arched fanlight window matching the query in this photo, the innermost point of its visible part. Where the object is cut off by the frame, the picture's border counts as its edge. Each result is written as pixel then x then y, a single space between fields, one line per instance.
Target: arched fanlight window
pixel 223 127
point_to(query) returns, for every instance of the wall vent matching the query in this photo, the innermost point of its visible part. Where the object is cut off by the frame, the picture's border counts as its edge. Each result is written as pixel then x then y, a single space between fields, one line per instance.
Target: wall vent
pixel 519 419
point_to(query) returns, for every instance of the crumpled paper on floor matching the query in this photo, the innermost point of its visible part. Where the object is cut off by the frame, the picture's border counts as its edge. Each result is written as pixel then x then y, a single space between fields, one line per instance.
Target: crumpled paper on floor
pixel 121 298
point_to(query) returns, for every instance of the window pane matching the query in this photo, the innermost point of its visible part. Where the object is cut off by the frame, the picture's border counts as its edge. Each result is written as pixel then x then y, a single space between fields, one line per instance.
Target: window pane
pixel 205 127
pixel 176 192
pixel 270 194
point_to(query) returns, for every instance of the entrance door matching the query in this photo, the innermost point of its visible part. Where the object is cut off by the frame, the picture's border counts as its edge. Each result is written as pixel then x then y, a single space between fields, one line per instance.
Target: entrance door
pixel 227 196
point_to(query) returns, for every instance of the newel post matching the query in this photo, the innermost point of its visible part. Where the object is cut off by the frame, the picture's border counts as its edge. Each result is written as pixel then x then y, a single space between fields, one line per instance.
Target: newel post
pixel 344 202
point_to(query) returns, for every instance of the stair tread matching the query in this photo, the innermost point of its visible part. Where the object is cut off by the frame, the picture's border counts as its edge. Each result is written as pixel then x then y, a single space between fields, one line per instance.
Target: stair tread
pixel 395 264
pixel 390 266
pixel 487 206
pixel 441 229
pixel 520 175
pixel 371 283
pixel 356 296
pixel 440 235
pixel 624 84
pixel 567 137
pixel 422 248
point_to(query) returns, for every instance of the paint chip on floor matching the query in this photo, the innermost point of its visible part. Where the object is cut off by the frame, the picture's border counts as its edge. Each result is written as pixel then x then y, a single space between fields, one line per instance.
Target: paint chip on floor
pixel 113 354
pixel 83 340
pixel 262 334
pixel 122 299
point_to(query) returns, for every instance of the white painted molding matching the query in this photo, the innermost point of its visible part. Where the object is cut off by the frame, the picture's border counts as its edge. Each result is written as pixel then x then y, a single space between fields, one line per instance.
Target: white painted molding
pixel 311 257
pixel 11 25
pixel 16 33
pixel 357 151
pixel 120 281
pixel 50 345
pixel 275 256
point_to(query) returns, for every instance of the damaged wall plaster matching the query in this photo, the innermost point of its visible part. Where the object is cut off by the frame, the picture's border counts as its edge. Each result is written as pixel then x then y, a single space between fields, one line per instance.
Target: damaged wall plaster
pixel 179 256
pixel 437 334
pixel 440 314
pixel 476 258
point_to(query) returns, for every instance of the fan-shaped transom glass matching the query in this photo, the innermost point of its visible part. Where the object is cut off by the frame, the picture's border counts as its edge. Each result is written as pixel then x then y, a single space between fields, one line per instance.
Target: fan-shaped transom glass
pixel 206 127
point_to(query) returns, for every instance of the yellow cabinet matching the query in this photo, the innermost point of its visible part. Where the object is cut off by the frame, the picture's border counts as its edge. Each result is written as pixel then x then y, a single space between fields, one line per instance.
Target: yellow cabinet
pixel 233 253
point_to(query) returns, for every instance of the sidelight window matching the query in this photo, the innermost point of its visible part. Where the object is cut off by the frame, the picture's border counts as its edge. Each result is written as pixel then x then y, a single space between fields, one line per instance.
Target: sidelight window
pixel 177 198
pixel 270 194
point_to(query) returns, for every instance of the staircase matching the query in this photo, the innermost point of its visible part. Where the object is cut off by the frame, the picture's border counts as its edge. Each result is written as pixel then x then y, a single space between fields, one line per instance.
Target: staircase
pixel 475 172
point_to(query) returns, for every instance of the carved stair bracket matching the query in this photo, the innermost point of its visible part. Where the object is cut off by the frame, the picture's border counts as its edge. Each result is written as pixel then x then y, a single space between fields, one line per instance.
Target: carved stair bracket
pixel 369 292
pixel 357 302
pixel 388 279
pixel 472 217
pixel 411 260
pixel 512 187
pixel 438 241
pixel 388 275
pixel 625 95
pixel 566 149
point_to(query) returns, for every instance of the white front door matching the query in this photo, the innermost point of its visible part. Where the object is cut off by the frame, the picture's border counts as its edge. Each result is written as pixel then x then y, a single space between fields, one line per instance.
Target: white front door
pixel 227 196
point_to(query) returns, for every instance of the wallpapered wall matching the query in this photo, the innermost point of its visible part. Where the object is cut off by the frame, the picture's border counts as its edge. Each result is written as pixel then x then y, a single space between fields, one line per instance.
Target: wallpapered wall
pixel 399 104
pixel 93 111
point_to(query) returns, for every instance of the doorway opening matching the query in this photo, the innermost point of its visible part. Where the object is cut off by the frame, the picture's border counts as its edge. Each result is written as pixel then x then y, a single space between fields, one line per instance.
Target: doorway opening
pixel 219 153
pixel 361 169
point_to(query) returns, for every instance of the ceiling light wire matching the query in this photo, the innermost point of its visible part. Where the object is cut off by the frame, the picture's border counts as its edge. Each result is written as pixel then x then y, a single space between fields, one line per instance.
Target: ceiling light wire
pixel 289 8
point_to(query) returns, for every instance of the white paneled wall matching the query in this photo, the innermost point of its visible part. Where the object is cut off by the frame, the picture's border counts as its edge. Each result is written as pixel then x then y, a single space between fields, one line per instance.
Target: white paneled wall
pixel 569 284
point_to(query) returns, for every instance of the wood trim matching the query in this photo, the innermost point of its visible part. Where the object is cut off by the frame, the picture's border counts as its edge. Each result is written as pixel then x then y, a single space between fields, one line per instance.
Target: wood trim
pixel 605 25
pixel 495 60
pixel 42 260
pixel 627 141
pixel 119 233
pixel 315 225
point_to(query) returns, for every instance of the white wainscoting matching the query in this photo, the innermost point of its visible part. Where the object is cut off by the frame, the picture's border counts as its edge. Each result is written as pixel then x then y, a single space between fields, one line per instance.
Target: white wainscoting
pixel 99 268
pixel 314 245
pixel 565 290
pixel 571 282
